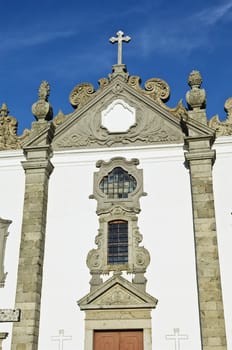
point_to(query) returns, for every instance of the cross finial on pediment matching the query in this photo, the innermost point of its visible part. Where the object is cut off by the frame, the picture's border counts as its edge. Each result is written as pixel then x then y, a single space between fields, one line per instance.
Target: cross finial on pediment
pixel 120 38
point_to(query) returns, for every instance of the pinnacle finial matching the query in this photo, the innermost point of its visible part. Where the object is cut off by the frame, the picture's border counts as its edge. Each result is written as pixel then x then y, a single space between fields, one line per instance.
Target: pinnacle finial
pixel 4 110
pixel 44 90
pixel 120 38
pixel 196 98
pixel 42 109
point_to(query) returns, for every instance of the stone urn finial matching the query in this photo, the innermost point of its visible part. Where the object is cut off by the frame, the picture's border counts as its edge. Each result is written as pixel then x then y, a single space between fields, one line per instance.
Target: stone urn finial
pixel 195 79
pixel 42 110
pixel 196 97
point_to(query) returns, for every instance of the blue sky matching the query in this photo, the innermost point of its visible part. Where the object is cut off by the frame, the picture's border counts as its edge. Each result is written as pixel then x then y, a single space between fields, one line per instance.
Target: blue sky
pixel 67 42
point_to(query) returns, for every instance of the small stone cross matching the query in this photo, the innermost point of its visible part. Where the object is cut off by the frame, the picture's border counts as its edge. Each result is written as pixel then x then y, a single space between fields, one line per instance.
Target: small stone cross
pixel 61 338
pixel 177 337
pixel 120 38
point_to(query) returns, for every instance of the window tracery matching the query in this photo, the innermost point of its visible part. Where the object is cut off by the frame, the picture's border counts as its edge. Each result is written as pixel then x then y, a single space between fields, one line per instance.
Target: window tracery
pixel 118 183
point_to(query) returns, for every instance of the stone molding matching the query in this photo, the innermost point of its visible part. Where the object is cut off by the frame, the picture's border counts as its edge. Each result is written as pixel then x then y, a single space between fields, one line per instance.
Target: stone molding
pixel 112 292
pixel 4 225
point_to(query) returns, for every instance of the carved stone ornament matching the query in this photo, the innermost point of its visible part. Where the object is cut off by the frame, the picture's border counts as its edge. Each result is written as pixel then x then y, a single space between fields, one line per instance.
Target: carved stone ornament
pixel 42 110
pixel 104 204
pixel 223 128
pixel 8 131
pixel 114 209
pixel 117 293
pixel 59 119
pixel 4 224
pixel 196 98
pixel 149 128
pixel 155 88
pixel 138 257
pixel 118 296
pixel 80 95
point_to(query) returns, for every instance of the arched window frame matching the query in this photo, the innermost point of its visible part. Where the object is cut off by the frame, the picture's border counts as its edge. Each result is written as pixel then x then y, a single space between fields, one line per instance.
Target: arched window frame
pixel 117 242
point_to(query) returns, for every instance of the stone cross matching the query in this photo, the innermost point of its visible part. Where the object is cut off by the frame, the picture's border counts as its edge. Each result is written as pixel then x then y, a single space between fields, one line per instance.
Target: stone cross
pixel 61 338
pixel 120 38
pixel 177 337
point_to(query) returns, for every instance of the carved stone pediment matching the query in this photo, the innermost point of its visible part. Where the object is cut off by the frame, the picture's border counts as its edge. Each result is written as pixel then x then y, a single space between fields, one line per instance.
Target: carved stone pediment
pixel 117 293
pixel 84 129
pixel 152 121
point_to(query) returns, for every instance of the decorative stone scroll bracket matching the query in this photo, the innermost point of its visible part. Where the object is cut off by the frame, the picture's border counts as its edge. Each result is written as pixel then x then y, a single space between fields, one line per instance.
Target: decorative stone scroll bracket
pixel 4 224
pixel 223 128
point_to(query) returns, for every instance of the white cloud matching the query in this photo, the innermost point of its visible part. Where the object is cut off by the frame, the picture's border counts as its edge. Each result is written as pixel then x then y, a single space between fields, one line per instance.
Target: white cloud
pixel 210 16
pixel 182 35
pixel 20 40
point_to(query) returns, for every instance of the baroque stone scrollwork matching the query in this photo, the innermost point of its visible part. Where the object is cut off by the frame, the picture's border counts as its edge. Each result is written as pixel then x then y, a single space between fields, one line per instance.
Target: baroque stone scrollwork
pixel 59 118
pixel 8 131
pixel 223 128
pixel 81 94
pixel 118 186
pixel 4 224
pixel 155 88
pixel 149 128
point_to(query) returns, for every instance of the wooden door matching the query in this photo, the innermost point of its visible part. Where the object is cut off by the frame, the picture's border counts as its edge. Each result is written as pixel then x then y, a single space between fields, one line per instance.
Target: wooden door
pixel 118 340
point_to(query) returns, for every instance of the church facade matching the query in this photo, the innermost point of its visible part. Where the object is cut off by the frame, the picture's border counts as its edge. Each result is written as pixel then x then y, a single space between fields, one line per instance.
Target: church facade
pixel 115 220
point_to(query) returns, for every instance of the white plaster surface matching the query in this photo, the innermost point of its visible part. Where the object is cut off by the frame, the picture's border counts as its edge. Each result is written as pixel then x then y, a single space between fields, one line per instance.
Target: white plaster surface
pixel 165 222
pixel 118 116
pixel 11 207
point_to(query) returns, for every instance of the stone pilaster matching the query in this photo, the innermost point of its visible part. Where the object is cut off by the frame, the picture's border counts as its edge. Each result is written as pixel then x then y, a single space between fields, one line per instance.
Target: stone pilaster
pixel 28 294
pixel 200 159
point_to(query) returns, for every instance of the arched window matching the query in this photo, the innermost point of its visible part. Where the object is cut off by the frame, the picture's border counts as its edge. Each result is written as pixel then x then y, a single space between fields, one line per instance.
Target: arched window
pixel 118 183
pixel 117 242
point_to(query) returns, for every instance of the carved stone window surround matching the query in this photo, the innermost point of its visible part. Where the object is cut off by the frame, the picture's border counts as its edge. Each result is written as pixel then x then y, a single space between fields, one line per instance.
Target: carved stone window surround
pixel 111 209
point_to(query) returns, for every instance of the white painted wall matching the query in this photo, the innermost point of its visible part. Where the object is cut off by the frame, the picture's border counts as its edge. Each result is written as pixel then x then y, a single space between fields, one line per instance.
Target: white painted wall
pixel 165 222
pixel 223 204
pixel 11 207
pixel 166 225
